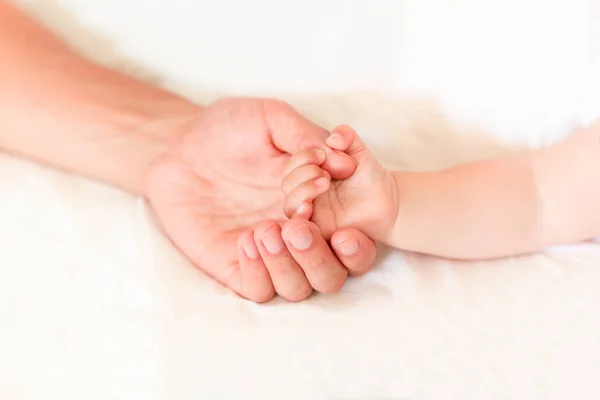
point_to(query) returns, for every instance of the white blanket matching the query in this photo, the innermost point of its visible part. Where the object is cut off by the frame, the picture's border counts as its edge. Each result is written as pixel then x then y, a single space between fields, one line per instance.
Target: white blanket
pixel 95 303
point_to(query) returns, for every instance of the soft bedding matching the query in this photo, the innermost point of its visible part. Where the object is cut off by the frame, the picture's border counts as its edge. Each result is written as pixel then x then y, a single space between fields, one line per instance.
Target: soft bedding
pixel 96 304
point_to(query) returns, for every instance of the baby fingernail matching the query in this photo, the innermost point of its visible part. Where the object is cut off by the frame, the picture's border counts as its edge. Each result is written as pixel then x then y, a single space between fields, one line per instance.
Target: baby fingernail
pixel 272 241
pixel 321 156
pixel 334 137
pixel 301 209
pixel 250 249
pixel 301 237
pixel 348 248
pixel 322 182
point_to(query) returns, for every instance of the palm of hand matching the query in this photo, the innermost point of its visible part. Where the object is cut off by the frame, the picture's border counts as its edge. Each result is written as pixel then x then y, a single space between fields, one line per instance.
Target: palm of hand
pixel 366 200
pixel 223 177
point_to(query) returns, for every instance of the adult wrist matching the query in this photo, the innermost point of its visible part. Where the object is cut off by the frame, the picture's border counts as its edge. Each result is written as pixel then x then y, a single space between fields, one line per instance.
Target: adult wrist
pixel 154 137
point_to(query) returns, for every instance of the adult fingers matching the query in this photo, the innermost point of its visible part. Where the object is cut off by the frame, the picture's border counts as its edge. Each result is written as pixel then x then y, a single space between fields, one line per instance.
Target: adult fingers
pixel 288 278
pixel 355 250
pixel 322 268
pixel 253 279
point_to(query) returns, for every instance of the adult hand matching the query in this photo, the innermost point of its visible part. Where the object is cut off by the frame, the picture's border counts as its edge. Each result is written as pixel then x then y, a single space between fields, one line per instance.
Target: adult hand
pixel 217 179
pixel 218 195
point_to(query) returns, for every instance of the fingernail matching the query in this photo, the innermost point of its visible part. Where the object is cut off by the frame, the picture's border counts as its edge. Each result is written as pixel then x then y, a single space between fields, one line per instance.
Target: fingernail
pixel 301 237
pixel 348 248
pixel 322 182
pixel 333 137
pixel 250 249
pixel 301 209
pixel 272 241
pixel 321 156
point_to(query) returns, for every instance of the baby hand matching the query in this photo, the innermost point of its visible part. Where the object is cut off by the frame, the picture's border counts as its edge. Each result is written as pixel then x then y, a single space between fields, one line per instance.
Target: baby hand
pixel 304 179
pixel 366 200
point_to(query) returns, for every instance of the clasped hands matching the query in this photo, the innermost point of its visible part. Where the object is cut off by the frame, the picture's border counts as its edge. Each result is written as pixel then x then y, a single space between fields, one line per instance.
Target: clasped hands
pixel 217 191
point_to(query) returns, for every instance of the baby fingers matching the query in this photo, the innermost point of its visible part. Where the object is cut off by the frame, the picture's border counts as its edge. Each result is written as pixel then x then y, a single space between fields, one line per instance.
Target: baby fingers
pixel 301 197
pixel 341 138
pixel 344 138
pixel 303 181
pixel 301 175
pixel 305 157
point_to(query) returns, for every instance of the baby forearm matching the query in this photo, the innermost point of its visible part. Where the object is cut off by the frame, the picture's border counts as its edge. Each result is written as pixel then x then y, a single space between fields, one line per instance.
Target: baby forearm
pixel 503 207
pixel 479 210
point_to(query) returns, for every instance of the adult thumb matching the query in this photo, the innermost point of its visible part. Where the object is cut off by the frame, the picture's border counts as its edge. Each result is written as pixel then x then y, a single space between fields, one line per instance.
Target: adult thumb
pixel 291 132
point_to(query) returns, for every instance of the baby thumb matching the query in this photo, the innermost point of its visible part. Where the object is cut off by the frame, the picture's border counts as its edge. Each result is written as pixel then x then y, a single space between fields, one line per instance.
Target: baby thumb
pixel 291 132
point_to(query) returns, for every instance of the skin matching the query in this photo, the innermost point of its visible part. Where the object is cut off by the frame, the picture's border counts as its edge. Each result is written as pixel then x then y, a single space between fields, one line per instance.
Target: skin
pixel 366 199
pixel 212 173
pixel 226 214
pixel 480 210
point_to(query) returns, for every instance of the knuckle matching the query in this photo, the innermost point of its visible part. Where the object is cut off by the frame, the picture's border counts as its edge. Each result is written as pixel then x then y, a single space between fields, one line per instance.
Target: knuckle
pixel 359 270
pixel 263 227
pixel 290 183
pixel 298 160
pixel 286 185
pixel 332 285
pixel 288 212
pixel 245 235
pixel 296 197
pixel 300 176
pixel 328 278
pixel 262 296
pixel 301 293
pixel 289 208
pixel 311 171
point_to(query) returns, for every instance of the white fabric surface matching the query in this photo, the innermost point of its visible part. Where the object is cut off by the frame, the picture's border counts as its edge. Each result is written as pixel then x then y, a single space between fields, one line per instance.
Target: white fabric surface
pixel 95 304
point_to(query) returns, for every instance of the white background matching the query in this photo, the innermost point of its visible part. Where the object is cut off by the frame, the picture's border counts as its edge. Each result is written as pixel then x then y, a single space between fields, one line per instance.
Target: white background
pixel 95 304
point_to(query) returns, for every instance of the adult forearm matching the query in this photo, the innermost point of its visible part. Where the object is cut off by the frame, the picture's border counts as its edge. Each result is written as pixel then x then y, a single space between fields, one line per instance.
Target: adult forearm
pixel 474 211
pixel 58 108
